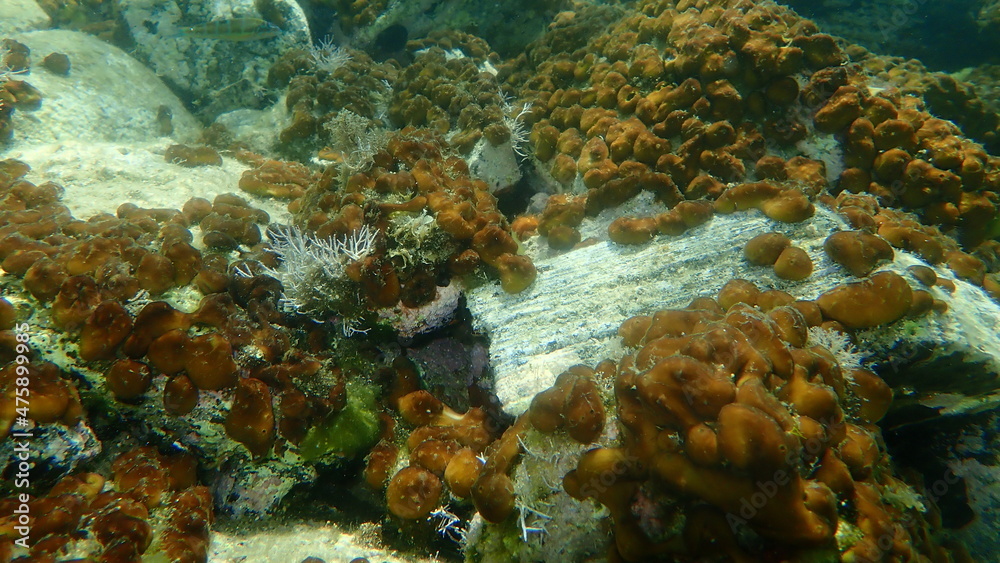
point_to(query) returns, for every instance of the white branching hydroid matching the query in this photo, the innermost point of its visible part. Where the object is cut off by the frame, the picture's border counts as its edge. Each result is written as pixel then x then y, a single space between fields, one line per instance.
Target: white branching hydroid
pixel 312 268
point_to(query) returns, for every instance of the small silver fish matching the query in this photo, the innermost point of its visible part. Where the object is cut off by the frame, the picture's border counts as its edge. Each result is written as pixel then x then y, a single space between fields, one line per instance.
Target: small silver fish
pixel 236 29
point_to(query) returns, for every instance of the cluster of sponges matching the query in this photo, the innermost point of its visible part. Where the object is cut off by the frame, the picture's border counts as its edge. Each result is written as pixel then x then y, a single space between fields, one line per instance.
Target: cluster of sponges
pixel 456 458
pixel 446 94
pixel 274 178
pixel 563 213
pixel 155 358
pixel 316 92
pixel 54 397
pixel 444 450
pixel 391 183
pixel 158 344
pixel 449 94
pixel 604 124
pixel 573 405
pixel 78 264
pixel 447 459
pixel 775 249
pixel 734 423
pixel 608 122
pixel 412 179
pixel 737 424
pixel 964 102
pixel 15 60
pixel 89 272
pixel 880 299
pixel 784 204
pixel 160 334
pixel 227 223
pixel 902 230
pixel 192 156
pixel 859 252
pixel 910 159
pixel 185 359
pixel 151 506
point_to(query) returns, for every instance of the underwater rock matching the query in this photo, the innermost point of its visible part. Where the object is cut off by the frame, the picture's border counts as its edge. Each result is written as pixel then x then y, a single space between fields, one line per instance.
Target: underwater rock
pixel 571 312
pixel 108 97
pixel 969 452
pixel 219 71
pixel 495 165
pixel 21 15
pixel 258 129
pixel 449 367
pixel 95 173
pixel 248 490
pixel 307 540
pixel 383 27
pixel 410 322
pixel 63 450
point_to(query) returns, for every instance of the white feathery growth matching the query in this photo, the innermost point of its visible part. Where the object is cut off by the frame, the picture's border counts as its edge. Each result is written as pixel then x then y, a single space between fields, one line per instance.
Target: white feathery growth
pixel 327 56
pixel 6 72
pixel 840 345
pixel 513 120
pixel 312 268
pixel 449 525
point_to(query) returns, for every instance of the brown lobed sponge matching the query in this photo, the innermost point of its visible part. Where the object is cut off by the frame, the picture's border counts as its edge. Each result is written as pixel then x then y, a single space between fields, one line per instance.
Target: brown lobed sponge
pixel 151 504
pixel 720 412
pixel 443 448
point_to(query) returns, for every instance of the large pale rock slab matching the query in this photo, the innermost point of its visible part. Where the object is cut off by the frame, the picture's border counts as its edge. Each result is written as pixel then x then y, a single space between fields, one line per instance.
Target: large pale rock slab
pixel 98 177
pixel 572 312
pixel 296 542
pixel 21 15
pixel 217 74
pixel 107 96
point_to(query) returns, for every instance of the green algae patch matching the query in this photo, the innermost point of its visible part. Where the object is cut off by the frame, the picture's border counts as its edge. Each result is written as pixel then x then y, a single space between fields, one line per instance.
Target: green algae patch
pixel 347 433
